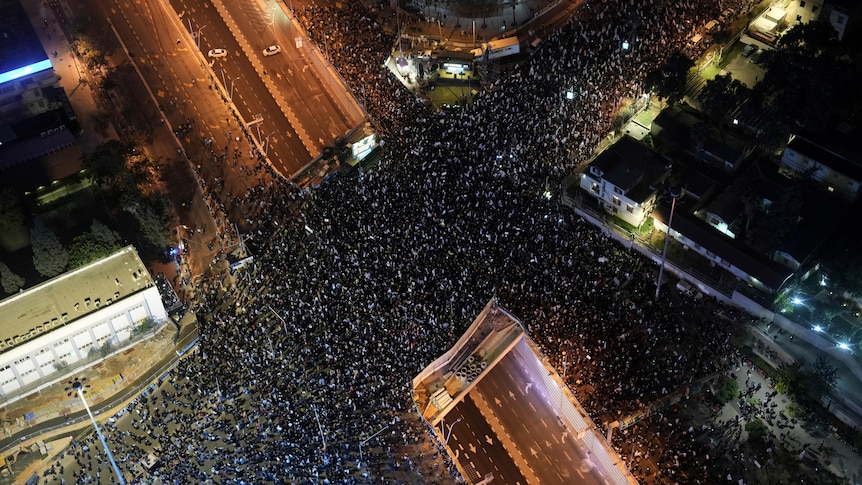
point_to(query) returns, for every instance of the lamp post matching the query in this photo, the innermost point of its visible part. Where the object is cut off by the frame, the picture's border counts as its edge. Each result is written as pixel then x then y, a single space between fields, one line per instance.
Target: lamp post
pixel 283 323
pixel 198 36
pixel 449 435
pixel 366 440
pixel 674 194
pixel 78 388
pixel 266 145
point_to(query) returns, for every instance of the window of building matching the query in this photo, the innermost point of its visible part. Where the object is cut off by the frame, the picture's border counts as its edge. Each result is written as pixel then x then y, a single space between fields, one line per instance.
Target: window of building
pixel 814 8
pixel 799 18
pixel 618 190
pixel 594 187
pixel 841 19
pixel 617 200
pixel 802 4
pixel 630 208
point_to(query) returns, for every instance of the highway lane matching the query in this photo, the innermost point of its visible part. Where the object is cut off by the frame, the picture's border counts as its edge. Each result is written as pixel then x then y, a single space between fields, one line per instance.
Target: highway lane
pixel 249 94
pixel 477 448
pixel 173 73
pixel 306 91
pixel 529 418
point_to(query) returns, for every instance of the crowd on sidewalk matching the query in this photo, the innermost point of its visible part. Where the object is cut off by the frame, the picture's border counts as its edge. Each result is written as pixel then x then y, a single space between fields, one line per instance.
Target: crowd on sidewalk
pixel 360 283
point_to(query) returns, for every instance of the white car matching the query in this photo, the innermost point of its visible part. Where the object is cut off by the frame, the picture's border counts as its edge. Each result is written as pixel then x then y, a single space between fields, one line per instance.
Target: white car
pixel 217 53
pixel 271 50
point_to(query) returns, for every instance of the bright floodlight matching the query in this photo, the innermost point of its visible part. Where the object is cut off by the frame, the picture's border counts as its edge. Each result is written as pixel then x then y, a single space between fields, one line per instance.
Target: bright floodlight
pixel 570 94
pixel 818 328
pixel 625 45
pixel 796 300
pixel 843 345
pixel 548 194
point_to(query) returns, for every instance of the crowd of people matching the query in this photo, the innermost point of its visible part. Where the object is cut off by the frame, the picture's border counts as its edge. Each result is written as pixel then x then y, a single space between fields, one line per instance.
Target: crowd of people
pixel 360 283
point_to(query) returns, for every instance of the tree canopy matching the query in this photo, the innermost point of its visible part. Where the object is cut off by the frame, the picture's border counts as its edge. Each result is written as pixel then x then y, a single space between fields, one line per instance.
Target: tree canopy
pixel 804 80
pixel 49 256
pixel 668 80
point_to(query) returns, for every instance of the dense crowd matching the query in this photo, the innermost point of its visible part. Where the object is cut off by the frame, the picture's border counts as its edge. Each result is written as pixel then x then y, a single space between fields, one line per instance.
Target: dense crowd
pixel 360 283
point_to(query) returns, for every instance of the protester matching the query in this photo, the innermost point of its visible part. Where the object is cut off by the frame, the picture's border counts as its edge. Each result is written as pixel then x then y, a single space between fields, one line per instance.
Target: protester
pixel 359 284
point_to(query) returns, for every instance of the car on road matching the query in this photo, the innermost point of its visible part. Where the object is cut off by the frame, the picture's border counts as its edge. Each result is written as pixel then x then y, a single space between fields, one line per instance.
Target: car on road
pixel 271 50
pixel 748 50
pixel 217 53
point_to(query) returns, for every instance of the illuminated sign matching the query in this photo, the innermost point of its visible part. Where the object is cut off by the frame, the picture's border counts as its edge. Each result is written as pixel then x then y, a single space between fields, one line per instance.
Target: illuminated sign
pixel 25 71
pixel 363 147
pixel 453 68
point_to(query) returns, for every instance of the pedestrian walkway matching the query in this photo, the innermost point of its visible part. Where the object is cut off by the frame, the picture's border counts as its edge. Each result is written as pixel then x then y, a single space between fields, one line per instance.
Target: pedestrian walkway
pixel 57 415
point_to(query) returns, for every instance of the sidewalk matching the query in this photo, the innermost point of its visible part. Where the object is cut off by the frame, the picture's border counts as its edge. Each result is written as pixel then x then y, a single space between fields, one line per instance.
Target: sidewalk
pixel 124 373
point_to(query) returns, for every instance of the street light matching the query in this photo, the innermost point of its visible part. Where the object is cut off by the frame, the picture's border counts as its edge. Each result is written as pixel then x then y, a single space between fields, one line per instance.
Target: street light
pixel 449 435
pixel 674 193
pixel 359 463
pixel 78 388
pixel 266 145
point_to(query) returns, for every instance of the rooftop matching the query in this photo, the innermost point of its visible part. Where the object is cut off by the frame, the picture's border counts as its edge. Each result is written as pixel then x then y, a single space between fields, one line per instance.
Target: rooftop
pixel 633 167
pixel 834 150
pixel 20 46
pixel 70 296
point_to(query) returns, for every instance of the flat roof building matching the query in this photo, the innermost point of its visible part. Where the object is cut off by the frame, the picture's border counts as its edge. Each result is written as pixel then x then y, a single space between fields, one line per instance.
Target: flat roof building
pixel 73 320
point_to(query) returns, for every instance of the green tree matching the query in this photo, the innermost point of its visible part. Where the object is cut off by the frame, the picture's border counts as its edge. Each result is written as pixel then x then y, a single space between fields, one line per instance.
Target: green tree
pixel 153 227
pixel 10 281
pixel 103 233
pixel 727 390
pixel 805 82
pixel 822 378
pixel 108 162
pixel 756 429
pixel 85 248
pixel 49 256
pixel 668 80
pixel 789 380
pixel 721 95
pixel 13 227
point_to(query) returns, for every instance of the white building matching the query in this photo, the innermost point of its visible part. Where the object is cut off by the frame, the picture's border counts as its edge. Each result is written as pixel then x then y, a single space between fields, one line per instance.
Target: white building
pixel 625 179
pixel 830 159
pixel 58 326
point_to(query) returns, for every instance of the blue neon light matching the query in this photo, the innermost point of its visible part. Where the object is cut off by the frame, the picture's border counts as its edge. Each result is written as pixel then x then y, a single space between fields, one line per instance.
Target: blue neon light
pixel 25 71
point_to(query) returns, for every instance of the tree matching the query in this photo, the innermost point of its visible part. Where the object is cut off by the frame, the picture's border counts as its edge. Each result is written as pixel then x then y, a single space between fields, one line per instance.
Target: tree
pixel 13 229
pixel 153 228
pixel 85 248
pixel 823 377
pixel 756 430
pixel 721 95
pixel 108 162
pixel 49 256
pixel 727 390
pixel 805 77
pixel 10 281
pixel 103 233
pixel 668 80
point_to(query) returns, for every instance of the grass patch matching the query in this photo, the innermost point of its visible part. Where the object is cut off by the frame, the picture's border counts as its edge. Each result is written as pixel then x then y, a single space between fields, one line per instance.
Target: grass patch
pixel 623 224
pixel 710 72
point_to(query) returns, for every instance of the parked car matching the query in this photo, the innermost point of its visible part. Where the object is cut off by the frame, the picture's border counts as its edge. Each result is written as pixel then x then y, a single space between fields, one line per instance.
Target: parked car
pixel 748 50
pixel 271 50
pixel 217 53
pixel 726 16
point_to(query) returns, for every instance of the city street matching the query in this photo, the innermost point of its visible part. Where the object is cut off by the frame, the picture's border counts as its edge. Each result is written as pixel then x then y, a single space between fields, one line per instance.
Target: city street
pixel 530 421
pixel 477 448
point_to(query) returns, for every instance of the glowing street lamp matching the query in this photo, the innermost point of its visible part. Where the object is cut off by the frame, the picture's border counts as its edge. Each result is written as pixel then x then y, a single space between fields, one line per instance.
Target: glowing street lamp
pixel 818 328
pixel 78 388
pixel 843 346
pixel 796 300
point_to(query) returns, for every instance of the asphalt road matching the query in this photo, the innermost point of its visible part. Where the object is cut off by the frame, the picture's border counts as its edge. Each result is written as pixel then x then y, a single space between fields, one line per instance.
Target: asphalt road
pixel 529 419
pixel 306 91
pixel 244 85
pixel 476 448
